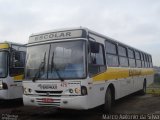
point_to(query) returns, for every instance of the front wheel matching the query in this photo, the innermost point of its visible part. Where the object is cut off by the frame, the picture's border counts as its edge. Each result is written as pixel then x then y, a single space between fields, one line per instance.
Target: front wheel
pixel 108 101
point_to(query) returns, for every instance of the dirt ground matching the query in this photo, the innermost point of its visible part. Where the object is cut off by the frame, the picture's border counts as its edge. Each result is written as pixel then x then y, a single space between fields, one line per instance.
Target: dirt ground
pixel 133 104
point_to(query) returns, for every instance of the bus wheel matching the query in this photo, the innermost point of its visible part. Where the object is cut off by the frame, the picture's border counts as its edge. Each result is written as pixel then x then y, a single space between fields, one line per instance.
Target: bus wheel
pixel 143 91
pixel 108 101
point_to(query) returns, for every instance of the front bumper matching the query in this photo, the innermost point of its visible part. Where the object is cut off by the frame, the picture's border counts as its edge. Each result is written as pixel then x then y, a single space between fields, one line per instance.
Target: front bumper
pixel 3 94
pixel 68 102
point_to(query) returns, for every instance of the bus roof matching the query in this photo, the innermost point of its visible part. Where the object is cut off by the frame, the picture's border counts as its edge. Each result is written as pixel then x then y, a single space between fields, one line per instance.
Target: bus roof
pixel 62 33
pixel 115 41
pixel 56 30
pixel 8 44
pixel 58 34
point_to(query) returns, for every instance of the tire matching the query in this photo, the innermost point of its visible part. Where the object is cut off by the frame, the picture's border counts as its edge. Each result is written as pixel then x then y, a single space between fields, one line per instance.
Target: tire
pixel 143 91
pixel 108 101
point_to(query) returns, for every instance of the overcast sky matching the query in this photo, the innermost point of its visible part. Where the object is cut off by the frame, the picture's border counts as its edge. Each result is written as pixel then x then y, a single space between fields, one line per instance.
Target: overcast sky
pixel 134 22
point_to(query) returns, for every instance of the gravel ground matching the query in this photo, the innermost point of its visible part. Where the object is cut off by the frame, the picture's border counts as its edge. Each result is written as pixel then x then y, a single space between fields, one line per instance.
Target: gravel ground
pixel 132 104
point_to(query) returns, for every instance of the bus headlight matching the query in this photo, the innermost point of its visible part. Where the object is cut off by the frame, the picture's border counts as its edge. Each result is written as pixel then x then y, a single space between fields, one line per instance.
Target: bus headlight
pixel 3 86
pixel 70 90
pixel 83 90
pixel 27 91
pixel 77 90
pixel 73 91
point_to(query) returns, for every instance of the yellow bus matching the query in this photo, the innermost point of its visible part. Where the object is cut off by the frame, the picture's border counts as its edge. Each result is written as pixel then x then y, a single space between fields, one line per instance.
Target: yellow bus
pixel 82 69
pixel 12 61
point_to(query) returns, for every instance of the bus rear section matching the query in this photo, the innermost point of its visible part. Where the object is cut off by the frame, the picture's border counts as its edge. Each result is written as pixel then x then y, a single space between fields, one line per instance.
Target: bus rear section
pixel 76 69
pixel 12 61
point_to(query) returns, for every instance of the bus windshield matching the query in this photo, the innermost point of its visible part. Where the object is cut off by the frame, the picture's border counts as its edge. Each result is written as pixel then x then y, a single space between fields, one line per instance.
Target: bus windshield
pixel 54 61
pixel 3 64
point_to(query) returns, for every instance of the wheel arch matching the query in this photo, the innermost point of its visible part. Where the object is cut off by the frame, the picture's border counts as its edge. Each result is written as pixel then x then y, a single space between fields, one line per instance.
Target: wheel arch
pixel 112 88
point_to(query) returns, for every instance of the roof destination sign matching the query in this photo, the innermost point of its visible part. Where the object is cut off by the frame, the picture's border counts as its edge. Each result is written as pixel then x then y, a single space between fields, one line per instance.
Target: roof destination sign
pixel 55 35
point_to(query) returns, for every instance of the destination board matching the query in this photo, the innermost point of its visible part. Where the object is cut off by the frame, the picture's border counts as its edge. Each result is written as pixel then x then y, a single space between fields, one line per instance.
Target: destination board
pixel 56 35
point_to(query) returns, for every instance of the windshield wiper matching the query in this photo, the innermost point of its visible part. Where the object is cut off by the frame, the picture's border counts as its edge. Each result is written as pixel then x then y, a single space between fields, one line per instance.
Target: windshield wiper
pixel 41 67
pixel 54 67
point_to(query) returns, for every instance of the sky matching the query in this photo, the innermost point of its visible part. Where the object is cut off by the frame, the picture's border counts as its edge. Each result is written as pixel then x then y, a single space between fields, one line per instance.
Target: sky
pixel 133 22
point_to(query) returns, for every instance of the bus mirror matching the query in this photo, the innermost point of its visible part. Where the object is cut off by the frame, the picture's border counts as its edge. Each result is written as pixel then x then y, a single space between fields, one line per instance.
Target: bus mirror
pixel 18 59
pixel 17 56
pixel 94 47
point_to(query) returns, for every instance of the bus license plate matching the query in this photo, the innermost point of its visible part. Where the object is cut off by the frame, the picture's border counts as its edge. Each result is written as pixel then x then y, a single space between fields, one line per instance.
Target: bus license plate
pixel 47 100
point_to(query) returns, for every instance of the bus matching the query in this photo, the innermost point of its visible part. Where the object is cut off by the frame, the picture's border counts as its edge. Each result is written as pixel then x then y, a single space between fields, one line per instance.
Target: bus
pixel 12 61
pixel 82 69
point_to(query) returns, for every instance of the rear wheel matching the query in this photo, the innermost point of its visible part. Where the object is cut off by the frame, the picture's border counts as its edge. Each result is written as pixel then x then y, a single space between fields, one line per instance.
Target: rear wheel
pixel 108 101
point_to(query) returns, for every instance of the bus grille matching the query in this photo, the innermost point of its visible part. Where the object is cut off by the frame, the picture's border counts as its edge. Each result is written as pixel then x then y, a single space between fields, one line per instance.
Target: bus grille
pixel 49 93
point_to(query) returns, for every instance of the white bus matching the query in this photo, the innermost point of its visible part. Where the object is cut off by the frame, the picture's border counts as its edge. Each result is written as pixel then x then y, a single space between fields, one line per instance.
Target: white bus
pixel 81 69
pixel 12 61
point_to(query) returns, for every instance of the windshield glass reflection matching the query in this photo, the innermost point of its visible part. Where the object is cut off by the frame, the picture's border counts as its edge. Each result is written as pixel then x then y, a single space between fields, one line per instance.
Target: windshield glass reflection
pixel 3 64
pixel 36 61
pixel 63 60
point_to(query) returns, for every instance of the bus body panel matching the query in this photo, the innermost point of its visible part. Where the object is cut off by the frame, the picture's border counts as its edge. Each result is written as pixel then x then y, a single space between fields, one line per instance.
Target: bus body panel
pixel 96 91
pixel 13 71
pixel 78 102
pixel 4 94
pixel 60 95
pixel 14 90
pixel 124 79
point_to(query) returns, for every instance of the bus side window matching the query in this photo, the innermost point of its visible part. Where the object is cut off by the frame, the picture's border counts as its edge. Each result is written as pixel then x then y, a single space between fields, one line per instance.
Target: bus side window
pixel 138 61
pixel 122 52
pixel 19 59
pixel 142 59
pixel 111 54
pixel 145 58
pixel 96 58
pixel 17 63
pixel 131 57
pixel 150 61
